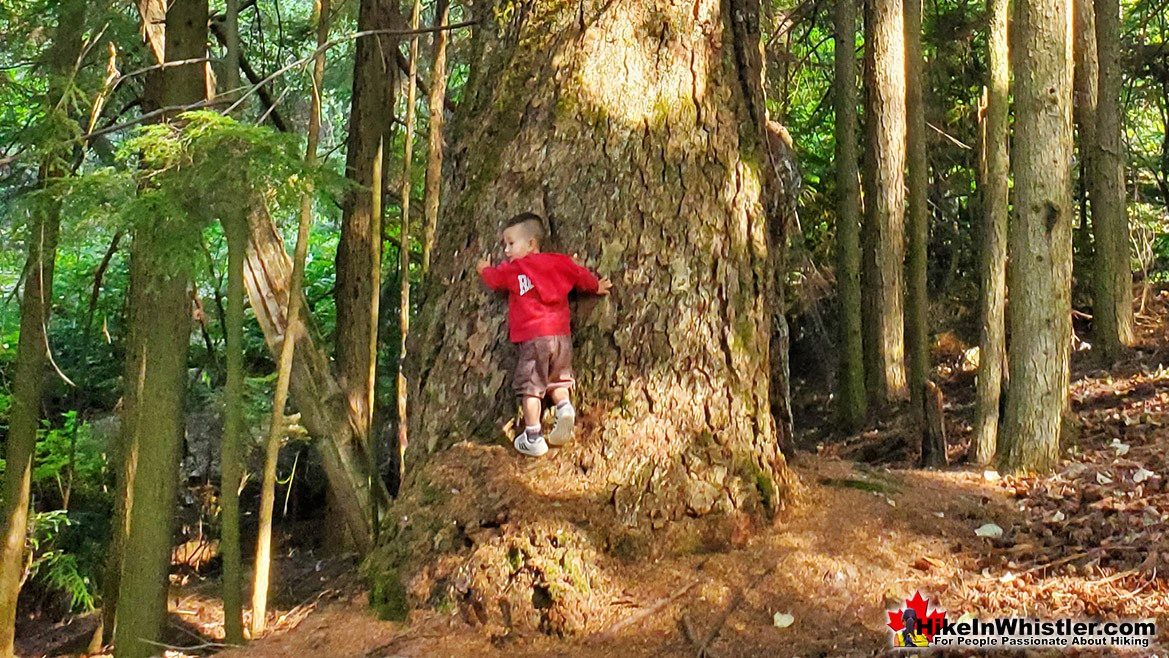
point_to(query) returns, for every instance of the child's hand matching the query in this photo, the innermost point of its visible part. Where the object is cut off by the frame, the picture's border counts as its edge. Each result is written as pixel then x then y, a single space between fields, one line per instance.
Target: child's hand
pixel 482 265
pixel 604 286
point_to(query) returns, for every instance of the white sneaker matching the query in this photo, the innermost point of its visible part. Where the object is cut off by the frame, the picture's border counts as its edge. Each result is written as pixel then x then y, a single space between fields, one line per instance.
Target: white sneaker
pixel 532 448
pixel 565 424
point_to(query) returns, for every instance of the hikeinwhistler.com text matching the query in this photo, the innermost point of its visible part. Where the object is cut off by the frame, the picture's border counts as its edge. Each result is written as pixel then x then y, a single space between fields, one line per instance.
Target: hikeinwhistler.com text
pixel 1021 632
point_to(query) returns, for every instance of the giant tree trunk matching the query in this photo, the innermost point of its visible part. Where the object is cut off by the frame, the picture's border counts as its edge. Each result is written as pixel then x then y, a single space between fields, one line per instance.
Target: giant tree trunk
pixel 637 127
pixel 850 389
pixel 32 349
pixel 1040 234
pixel 359 248
pixel 160 333
pixel 884 228
pixel 1112 278
pixel 994 170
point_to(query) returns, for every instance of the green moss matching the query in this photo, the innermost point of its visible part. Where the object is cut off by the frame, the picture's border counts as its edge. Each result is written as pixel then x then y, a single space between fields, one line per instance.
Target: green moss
pixel 766 487
pixel 387 597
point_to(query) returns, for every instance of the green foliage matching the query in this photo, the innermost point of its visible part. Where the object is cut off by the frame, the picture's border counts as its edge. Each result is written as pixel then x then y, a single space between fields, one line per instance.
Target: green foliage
pixel 54 568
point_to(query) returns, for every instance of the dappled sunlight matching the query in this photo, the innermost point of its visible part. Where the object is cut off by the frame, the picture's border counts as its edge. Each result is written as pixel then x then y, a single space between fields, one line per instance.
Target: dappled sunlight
pixel 648 51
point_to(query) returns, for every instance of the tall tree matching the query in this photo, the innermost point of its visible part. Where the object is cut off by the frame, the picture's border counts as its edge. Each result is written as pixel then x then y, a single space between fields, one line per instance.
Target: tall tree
pixel 1085 80
pixel 851 399
pixel 638 128
pixel 152 19
pixel 359 247
pixel 35 305
pixel 294 326
pixel 436 102
pixel 404 239
pixel 917 224
pixel 1112 278
pixel 995 168
pixel 884 182
pixel 235 228
pixel 1040 233
pixel 160 331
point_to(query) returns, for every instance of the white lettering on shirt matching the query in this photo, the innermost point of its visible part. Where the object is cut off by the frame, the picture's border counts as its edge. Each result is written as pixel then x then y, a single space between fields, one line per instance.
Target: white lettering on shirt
pixel 525 284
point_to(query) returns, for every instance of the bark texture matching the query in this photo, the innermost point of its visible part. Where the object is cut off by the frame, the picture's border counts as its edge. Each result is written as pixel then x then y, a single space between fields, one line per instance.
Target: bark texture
pixel 1040 234
pixel 995 170
pixel 359 247
pixel 884 229
pixel 917 224
pixel 637 127
pixel 1112 278
pixel 852 404
pixel 435 138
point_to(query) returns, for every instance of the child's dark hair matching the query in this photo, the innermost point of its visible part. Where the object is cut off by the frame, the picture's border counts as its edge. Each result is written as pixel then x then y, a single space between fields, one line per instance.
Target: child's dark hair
pixel 533 224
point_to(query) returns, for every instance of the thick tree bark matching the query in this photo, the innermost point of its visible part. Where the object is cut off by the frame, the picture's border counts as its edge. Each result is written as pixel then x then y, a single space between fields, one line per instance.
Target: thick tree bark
pixel 318 398
pixel 160 333
pixel 32 348
pixel 917 224
pixel 359 247
pixel 1112 289
pixel 637 128
pixel 851 400
pixel 1039 271
pixel 435 142
pixel 995 172
pixel 294 325
pixel 884 228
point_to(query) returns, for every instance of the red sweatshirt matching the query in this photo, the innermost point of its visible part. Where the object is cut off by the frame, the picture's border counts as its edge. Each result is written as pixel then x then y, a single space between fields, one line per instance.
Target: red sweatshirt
pixel 538 287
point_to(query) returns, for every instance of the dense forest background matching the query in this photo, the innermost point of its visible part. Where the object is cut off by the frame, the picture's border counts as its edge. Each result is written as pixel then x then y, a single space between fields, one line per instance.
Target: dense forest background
pixel 81 141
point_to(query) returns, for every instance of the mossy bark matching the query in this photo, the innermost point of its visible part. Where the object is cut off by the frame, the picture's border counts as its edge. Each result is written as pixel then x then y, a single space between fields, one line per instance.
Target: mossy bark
pixel 159 338
pixel 637 129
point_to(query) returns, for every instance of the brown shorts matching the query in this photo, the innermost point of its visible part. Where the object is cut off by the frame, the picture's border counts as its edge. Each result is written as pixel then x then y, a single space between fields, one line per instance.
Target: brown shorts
pixel 544 364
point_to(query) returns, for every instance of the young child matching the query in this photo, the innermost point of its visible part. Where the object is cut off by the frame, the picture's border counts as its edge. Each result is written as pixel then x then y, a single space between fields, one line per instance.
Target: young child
pixel 538 320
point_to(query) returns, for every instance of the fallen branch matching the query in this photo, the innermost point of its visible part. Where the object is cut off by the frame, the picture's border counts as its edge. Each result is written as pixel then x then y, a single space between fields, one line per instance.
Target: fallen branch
pixel 636 617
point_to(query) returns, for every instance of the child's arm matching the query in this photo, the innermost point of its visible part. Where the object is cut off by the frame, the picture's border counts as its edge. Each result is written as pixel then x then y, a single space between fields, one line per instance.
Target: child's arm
pixel 495 277
pixel 588 282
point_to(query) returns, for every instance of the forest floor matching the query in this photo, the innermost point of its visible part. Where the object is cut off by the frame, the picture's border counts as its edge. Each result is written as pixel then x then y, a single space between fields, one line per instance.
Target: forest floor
pixel 1088 541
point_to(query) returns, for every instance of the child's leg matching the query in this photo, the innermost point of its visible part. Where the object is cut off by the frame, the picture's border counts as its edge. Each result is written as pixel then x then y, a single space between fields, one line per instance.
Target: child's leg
pixel 560 383
pixel 559 395
pixel 532 407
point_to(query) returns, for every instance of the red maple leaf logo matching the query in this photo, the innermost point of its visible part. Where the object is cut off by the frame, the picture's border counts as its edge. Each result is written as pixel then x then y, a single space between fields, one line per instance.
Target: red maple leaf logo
pixel 929 622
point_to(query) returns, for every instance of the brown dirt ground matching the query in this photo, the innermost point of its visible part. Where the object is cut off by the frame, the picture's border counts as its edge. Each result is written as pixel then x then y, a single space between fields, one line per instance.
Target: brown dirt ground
pixel 1087 541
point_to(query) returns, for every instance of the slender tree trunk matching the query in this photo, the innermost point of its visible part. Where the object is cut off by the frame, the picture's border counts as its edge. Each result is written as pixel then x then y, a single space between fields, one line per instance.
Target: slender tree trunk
pixel 1112 296
pixel 231 457
pixel 917 224
pixel 160 333
pixel 404 241
pixel 884 229
pixel 32 348
pixel 995 208
pixel 152 19
pixel 851 399
pixel 231 454
pixel 1086 77
pixel 1039 272
pixel 294 327
pixel 436 102
pixel 359 248
pixel 639 127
